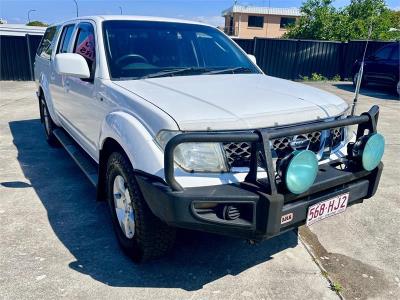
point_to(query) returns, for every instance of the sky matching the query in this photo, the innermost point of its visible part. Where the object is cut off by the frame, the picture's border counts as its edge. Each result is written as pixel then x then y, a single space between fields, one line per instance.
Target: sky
pixel 208 11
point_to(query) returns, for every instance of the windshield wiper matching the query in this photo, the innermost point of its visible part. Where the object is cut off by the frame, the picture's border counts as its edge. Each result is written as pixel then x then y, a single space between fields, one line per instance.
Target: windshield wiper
pixel 230 70
pixel 172 72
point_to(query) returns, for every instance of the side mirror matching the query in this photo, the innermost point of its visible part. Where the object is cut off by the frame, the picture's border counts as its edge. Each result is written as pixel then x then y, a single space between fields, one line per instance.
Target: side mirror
pixel 252 58
pixel 71 64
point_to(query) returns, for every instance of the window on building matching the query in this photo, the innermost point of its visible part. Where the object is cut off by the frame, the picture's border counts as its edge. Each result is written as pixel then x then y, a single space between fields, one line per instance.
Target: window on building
pixel 255 21
pixel 286 22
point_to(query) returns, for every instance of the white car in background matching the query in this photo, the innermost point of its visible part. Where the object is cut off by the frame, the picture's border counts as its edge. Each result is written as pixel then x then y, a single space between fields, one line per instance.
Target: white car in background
pixel 177 127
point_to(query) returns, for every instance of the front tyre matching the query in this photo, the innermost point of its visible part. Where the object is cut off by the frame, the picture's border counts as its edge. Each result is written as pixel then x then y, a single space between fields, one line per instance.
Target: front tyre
pixel 48 124
pixel 140 233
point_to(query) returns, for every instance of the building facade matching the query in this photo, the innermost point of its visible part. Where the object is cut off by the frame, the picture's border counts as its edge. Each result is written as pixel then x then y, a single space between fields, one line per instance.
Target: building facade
pixel 248 22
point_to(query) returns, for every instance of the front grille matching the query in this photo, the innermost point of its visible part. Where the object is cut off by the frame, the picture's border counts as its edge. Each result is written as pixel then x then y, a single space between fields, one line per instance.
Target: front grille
pixel 238 154
pixel 282 145
pixel 337 135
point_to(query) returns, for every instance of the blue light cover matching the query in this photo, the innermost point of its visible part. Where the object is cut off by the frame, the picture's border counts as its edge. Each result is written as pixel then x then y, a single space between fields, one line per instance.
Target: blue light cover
pixel 373 151
pixel 301 171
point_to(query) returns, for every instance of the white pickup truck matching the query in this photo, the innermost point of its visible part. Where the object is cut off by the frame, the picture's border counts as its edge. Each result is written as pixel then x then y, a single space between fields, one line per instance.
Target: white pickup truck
pixel 176 126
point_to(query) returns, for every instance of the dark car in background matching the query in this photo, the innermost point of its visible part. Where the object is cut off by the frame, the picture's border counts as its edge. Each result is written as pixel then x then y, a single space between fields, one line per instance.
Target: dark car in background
pixel 381 68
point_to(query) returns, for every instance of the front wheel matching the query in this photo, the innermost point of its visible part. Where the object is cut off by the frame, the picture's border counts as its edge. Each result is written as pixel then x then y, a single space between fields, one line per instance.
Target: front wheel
pixel 140 233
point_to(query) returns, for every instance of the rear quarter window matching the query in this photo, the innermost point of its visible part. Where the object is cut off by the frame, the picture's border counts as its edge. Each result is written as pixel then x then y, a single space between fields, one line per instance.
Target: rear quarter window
pixel 47 44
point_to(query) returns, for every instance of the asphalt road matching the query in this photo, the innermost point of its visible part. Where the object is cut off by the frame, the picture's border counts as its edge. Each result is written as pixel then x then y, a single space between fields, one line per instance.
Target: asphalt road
pixel 57 241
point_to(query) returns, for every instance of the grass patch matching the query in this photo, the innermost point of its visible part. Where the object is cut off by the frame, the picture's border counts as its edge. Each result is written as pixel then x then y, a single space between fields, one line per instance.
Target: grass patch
pixel 336 287
pixel 318 77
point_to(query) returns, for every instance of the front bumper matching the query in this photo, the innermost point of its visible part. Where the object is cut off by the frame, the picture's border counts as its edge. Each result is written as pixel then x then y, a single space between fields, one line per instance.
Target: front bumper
pixel 263 203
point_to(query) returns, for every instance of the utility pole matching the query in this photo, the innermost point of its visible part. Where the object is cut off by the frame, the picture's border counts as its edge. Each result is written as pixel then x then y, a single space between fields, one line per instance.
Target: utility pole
pixel 29 14
pixel 120 9
pixel 77 8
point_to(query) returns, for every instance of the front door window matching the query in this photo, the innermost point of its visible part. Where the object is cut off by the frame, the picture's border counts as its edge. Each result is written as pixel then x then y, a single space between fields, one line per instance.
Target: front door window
pixel 85 46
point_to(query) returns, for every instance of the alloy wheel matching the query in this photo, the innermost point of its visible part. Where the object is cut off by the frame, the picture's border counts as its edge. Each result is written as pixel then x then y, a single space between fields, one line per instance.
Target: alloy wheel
pixel 123 207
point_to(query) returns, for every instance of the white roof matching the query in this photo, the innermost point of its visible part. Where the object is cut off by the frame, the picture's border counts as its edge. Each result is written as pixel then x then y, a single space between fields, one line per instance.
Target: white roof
pixel 100 18
pixel 262 10
pixel 20 29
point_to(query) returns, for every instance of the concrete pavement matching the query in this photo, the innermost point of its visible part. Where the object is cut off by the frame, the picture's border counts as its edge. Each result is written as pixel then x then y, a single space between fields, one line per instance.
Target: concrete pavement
pixel 360 249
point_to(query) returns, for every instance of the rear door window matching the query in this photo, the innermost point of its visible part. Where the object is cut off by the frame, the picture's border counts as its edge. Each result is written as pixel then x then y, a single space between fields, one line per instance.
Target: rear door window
pixel 66 36
pixel 46 45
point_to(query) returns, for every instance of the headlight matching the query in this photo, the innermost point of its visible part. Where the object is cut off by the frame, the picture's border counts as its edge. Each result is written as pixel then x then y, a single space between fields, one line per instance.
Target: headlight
pixel 195 157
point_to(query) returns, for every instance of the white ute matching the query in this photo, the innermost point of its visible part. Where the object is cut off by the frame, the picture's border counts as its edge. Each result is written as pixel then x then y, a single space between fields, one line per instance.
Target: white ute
pixel 176 126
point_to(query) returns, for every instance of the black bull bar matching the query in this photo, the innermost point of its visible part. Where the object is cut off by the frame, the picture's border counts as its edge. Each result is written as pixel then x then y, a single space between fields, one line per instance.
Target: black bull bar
pixel 276 197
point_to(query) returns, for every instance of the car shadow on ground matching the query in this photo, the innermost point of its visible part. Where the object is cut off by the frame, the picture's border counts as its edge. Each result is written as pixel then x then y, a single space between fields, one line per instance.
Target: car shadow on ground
pixel 376 91
pixel 84 227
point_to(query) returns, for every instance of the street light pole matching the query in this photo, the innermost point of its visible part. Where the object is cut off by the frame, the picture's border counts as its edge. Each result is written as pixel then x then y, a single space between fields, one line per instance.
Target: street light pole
pixel 29 14
pixel 120 9
pixel 77 8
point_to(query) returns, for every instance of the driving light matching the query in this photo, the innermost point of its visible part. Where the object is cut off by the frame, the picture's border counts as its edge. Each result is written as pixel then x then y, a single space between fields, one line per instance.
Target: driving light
pixel 370 149
pixel 195 157
pixel 299 170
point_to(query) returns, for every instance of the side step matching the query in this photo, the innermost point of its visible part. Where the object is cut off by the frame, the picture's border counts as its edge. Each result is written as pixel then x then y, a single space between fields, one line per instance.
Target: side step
pixel 84 161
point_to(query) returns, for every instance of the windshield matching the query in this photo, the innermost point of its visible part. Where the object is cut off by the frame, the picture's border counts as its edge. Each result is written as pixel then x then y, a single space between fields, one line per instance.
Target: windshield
pixel 146 49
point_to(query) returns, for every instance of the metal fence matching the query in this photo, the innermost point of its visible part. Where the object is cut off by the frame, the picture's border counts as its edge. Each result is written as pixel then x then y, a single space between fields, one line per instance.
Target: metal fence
pixel 17 55
pixel 290 59
pixel 294 59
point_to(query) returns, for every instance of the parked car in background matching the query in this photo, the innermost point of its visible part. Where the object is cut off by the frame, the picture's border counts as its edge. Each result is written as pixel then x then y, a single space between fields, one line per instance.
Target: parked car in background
pixel 176 126
pixel 381 68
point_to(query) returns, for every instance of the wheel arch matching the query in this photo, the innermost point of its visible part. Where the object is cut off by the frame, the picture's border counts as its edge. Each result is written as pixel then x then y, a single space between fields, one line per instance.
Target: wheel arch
pixel 44 92
pixel 110 146
pixel 123 132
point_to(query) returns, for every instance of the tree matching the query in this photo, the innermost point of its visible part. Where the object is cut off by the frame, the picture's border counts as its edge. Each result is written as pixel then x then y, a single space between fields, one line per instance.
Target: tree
pixel 363 14
pixel 321 20
pixel 37 23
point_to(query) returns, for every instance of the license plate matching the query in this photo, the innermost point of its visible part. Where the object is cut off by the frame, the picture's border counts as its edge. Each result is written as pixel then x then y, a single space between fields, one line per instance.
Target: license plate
pixel 327 208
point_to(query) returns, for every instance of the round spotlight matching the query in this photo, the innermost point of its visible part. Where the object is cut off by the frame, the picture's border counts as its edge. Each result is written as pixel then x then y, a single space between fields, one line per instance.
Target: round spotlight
pixel 370 149
pixel 299 170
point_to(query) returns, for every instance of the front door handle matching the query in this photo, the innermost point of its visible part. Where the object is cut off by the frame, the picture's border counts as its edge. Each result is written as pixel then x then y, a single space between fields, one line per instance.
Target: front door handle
pixel 100 96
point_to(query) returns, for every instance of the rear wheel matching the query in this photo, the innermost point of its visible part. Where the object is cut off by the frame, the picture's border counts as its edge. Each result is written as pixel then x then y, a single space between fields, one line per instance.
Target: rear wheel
pixel 48 124
pixel 140 233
